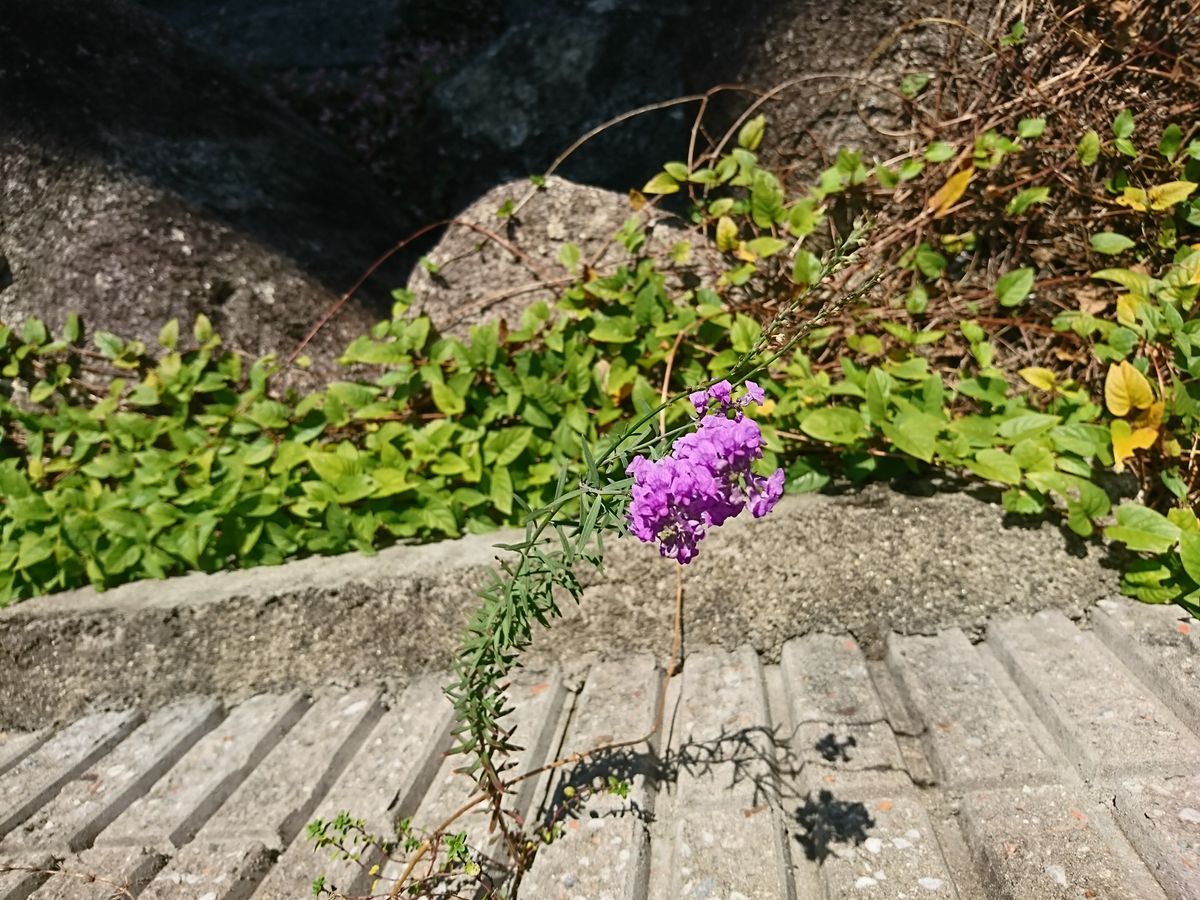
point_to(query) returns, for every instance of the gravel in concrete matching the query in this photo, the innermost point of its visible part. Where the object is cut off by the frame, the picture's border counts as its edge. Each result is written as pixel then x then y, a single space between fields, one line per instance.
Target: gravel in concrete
pixel 885 847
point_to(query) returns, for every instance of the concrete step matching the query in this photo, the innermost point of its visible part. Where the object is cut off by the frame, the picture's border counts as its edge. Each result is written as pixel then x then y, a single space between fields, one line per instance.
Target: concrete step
pixel 1049 761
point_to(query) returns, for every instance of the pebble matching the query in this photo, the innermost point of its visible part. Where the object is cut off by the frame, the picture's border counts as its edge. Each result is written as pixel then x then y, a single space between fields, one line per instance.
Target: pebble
pixel 1058 873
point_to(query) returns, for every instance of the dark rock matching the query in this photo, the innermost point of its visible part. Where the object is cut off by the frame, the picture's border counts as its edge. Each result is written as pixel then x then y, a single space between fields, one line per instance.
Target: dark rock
pixel 361 73
pixel 846 59
pixel 140 180
pixel 443 99
pixel 564 67
pixel 567 67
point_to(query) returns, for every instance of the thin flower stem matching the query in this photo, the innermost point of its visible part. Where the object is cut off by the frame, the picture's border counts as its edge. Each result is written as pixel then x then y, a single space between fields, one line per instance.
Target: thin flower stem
pixel 677 636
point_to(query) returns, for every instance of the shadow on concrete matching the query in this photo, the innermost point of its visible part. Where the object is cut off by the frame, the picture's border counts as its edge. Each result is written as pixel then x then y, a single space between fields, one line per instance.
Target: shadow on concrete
pixel 824 820
pixel 759 756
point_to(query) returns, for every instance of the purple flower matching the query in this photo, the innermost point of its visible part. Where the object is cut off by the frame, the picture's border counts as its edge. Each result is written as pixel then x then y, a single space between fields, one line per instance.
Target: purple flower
pixel 754 394
pixel 706 479
pixel 765 493
pixel 722 392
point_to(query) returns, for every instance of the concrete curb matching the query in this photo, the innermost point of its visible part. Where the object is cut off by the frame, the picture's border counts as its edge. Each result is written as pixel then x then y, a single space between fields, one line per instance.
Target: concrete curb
pixel 865 563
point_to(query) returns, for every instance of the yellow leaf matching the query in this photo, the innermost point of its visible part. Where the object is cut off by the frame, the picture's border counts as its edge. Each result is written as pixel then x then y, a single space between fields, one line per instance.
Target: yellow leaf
pixel 662 183
pixel 1126 440
pixel 637 199
pixel 1135 198
pixel 766 407
pixel 1133 280
pixel 1038 377
pixel 1126 388
pixel 950 192
pixel 726 234
pixel 742 253
pixel 1167 195
pixel 1186 270
pixel 1149 418
pixel 1127 305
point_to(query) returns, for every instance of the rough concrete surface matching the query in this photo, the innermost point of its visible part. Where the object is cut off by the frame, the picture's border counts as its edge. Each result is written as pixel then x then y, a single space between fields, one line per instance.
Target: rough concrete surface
pixel 866 563
pixel 760 781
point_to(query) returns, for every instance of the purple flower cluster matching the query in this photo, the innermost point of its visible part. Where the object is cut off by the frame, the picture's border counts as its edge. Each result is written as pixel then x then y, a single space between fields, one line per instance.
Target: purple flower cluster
pixel 706 478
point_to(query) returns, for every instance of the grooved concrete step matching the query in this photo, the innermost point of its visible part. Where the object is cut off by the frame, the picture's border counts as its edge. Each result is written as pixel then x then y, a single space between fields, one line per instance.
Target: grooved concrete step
pixel 308 759
pixel 19 876
pixel 841 735
pixel 1108 721
pixel 1050 761
pixel 116 868
pixel 1051 841
pixel 973 734
pixel 37 777
pixel 85 806
pixel 1161 816
pixel 728 837
pixel 15 746
pixel 387 776
pixel 608 853
pixel 1159 644
pixel 169 815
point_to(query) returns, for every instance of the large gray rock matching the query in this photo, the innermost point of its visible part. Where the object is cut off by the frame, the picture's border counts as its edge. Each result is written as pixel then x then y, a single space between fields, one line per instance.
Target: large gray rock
pixel 140 180
pixel 499 268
